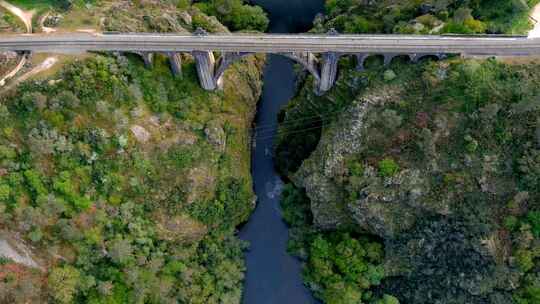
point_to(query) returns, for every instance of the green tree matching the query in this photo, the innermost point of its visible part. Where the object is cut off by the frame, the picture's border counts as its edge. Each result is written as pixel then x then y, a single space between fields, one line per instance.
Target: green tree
pixel 62 283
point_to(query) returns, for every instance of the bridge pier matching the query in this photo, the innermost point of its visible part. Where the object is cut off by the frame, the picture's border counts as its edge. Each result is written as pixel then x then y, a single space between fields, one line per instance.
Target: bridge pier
pixel 388 59
pixel 414 58
pixel 175 60
pixel 360 60
pixel 206 63
pixel 328 72
pixel 148 58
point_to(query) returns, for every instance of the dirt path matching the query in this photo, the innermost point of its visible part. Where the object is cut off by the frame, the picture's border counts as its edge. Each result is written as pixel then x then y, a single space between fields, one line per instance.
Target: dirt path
pixel 25 16
pixel 9 75
pixel 535 14
pixel 46 64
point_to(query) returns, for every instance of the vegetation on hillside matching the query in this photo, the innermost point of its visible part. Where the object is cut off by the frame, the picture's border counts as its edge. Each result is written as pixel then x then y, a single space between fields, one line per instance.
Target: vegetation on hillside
pixel 128 183
pixel 235 14
pixel 341 267
pixel 437 161
pixel 444 171
pixel 114 173
pixel 428 16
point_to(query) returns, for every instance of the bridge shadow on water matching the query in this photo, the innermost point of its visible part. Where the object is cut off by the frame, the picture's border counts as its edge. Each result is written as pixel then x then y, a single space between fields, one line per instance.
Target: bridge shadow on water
pixel 273 276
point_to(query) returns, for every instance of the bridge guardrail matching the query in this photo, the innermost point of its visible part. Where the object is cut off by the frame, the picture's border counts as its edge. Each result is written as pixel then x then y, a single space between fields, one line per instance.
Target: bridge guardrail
pixel 318 34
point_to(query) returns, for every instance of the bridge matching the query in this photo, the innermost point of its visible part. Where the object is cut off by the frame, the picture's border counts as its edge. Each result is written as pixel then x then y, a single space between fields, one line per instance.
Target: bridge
pixel 318 54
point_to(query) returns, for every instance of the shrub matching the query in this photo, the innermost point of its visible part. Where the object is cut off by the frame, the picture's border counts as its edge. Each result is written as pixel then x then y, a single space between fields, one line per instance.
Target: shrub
pixel 511 223
pixel 355 168
pixel 34 180
pixel 249 18
pixel 524 259
pixel 234 14
pixel 388 167
pixel 389 75
pixel 63 282
pixel 388 299
pixel 533 217
pixel 7 152
pixel 5 192
pixel 63 185
pixel 342 268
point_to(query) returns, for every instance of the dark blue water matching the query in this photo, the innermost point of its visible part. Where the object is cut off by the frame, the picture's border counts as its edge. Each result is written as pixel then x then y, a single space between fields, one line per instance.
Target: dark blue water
pixel 273 276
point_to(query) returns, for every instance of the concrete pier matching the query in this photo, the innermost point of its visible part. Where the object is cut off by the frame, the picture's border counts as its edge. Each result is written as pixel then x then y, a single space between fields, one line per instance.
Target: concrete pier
pixel 328 72
pixel 175 60
pixel 148 58
pixel 360 60
pixel 206 65
pixel 388 59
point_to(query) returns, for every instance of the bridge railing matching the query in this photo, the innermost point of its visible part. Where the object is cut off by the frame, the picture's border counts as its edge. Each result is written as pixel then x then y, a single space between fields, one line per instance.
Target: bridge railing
pixel 248 34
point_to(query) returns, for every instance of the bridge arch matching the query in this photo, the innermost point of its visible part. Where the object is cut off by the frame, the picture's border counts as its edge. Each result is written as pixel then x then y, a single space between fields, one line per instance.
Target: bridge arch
pixel 402 58
pixel 308 61
pixel 388 58
pixel 226 60
pixel 323 68
pixel 361 59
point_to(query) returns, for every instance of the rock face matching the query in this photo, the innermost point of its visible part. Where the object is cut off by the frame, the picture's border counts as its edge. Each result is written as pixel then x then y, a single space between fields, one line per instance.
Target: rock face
pixel 436 180
pixel 316 172
pixel 319 174
pixel 448 253
pixel 140 133
pixel 389 205
pixel 18 252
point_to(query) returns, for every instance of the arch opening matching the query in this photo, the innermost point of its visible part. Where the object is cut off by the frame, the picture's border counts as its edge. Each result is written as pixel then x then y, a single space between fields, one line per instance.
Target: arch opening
pixel 374 61
pixel 308 61
pixel 225 61
pixel 401 58
pixel 422 58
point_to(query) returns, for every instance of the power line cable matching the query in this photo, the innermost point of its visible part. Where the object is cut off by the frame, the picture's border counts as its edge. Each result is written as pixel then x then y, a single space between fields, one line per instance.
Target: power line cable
pixel 300 119
pixel 286 133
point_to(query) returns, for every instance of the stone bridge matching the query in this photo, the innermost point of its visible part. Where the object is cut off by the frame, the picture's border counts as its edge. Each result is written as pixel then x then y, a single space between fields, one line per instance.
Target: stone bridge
pixel 318 54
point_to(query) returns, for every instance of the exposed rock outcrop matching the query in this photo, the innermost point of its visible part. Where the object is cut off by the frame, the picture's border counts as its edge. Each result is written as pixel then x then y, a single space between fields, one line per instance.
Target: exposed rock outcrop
pixel 17 251
pixel 320 173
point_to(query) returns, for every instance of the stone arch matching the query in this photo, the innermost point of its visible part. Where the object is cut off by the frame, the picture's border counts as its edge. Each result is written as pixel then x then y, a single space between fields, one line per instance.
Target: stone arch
pixel 366 57
pixel 226 59
pixel 402 57
pixel 419 57
pixel 147 57
pixel 308 61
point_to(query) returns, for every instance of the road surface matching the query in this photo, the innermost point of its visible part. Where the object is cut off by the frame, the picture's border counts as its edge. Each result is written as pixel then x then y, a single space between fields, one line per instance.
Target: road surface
pixel 272 43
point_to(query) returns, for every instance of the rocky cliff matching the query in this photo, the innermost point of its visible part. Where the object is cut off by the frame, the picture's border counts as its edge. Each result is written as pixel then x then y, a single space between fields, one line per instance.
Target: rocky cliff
pixel 428 164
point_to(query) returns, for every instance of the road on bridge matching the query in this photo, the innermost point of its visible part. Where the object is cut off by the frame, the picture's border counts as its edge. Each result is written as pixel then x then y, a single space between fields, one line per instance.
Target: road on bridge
pixel 271 43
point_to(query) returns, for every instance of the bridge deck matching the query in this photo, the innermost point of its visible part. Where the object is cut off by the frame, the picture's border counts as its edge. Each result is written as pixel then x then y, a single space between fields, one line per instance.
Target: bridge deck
pixel 272 43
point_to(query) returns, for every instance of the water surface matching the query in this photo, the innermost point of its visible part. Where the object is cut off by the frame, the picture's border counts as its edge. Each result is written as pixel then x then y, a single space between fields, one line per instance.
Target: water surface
pixel 273 276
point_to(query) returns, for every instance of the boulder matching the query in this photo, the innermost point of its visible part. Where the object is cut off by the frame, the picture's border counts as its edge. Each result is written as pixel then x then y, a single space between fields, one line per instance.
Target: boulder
pixel 140 133
pixel 18 252
pixel 215 134
pixel 319 174
pixel 185 18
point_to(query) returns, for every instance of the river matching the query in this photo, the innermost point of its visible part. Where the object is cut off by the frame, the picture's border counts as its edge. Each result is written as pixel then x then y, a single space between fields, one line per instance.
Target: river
pixel 273 276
